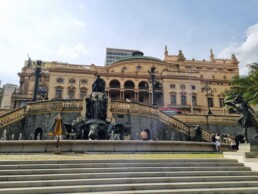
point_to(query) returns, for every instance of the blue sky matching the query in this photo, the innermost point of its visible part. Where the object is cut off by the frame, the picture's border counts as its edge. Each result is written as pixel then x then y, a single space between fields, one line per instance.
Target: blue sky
pixel 79 31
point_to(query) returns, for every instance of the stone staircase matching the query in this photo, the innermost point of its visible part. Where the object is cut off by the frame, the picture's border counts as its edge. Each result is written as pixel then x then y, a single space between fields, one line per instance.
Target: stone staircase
pixel 127 176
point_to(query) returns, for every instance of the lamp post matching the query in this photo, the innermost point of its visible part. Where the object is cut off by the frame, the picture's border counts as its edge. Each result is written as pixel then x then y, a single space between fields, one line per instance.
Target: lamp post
pixel 37 76
pixel 153 81
pixel 189 67
pixel 208 91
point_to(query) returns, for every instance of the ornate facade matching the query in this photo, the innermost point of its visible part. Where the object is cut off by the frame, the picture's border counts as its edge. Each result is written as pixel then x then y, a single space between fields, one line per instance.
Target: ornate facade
pixel 179 81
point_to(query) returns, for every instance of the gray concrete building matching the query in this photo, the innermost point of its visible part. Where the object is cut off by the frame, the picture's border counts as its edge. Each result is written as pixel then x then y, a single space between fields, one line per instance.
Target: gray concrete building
pixel 113 54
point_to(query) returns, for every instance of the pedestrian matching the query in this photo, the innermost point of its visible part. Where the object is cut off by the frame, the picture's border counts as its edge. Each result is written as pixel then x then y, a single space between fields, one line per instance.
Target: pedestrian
pixel 216 141
pixel 144 135
pixel 233 145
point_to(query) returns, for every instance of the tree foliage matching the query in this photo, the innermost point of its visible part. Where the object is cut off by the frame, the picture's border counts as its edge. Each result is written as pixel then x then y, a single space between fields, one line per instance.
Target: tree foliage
pixel 247 86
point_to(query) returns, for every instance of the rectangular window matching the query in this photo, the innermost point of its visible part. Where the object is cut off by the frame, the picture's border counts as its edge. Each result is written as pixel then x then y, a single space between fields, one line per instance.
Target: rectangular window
pixel 71 94
pixel 83 94
pixel 183 100
pixel 194 101
pixel 173 99
pixel 141 98
pixel 59 93
pixel 210 102
pixel 221 102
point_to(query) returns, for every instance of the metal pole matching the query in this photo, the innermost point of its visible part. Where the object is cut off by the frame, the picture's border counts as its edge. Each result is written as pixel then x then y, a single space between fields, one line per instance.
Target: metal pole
pixel 37 76
pixel 190 89
pixel 153 92
pixel 152 80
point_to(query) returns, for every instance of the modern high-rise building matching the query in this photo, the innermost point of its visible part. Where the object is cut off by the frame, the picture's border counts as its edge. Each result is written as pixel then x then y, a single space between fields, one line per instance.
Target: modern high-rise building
pixel 6 94
pixel 113 54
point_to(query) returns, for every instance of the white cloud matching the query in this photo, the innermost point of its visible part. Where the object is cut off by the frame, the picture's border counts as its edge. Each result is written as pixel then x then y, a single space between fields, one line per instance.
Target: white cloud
pixel 72 52
pixel 78 23
pixel 246 51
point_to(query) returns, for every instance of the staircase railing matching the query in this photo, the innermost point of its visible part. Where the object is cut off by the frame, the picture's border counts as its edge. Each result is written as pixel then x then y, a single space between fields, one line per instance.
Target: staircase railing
pixel 54 106
pixel 40 108
pixel 13 116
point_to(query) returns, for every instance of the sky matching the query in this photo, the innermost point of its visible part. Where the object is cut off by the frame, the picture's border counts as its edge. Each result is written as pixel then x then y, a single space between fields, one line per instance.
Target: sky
pixel 79 31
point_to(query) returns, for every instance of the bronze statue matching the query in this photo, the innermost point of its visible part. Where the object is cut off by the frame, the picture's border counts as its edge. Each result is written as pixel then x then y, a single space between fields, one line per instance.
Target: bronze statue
pixel 98 85
pixel 247 113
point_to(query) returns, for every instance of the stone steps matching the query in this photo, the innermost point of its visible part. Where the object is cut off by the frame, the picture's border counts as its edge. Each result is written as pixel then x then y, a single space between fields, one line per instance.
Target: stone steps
pixel 101 181
pixel 113 165
pixel 127 176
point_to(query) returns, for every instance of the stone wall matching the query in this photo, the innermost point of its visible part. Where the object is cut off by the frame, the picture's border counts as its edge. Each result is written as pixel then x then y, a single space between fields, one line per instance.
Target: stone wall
pixel 217 123
pixel 30 123
pixel 137 122
pixel 159 130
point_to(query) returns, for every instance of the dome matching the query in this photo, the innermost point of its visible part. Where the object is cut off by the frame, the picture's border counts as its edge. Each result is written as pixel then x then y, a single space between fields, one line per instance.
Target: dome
pixel 137 55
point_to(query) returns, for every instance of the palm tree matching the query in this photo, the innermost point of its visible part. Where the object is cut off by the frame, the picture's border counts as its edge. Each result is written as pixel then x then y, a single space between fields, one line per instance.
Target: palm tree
pixel 247 86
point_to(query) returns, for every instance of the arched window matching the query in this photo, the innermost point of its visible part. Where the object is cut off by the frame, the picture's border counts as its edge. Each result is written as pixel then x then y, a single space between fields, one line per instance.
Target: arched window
pixel 143 85
pixel 114 84
pixel 129 84
pixel 158 86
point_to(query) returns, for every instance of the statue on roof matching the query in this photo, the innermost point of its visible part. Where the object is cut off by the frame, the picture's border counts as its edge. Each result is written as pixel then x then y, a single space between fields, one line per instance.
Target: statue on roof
pixel 29 64
pixel 181 56
pixel 212 56
pixel 166 51
pixel 233 59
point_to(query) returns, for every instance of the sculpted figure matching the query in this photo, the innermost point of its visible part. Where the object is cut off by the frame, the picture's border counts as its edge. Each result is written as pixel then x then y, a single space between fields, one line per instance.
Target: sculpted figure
pixel 98 85
pixel 233 59
pixel 181 56
pixel 211 55
pixel 247 113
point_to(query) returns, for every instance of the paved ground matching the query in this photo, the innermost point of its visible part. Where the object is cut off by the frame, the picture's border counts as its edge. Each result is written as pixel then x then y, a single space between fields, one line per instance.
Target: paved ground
pixel 106 156
pixel 240 156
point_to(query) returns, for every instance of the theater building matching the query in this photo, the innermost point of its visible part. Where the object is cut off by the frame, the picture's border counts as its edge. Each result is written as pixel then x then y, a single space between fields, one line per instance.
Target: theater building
pixel 179 82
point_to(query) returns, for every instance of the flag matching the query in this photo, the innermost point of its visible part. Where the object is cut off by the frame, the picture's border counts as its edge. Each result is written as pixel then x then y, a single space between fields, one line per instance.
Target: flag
pixel 58 127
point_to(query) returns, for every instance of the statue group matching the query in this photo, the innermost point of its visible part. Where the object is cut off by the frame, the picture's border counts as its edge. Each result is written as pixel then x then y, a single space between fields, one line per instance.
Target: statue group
pixel 95 126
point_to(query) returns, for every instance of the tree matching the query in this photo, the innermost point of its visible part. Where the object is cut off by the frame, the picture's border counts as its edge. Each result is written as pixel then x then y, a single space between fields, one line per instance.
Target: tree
pixel 247 86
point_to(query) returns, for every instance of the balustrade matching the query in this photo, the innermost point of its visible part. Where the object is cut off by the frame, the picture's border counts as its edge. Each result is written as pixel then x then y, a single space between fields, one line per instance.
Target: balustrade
pixel 116 106
pixel 12 117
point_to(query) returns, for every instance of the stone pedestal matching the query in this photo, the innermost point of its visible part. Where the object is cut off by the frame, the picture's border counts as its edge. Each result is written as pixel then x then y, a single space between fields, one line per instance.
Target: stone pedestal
pixel 253 148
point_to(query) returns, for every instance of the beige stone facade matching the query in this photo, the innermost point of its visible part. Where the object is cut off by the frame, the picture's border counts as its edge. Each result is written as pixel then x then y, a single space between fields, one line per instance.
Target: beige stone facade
pixel 179 81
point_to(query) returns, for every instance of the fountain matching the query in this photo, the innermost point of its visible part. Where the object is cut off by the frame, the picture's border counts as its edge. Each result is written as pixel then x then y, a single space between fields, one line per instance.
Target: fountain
pixel 95 126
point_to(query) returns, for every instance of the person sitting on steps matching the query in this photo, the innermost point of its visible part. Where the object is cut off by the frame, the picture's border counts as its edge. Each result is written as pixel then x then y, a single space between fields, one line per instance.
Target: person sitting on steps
pixel 216 141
